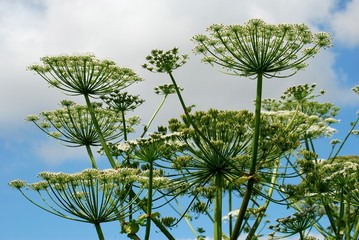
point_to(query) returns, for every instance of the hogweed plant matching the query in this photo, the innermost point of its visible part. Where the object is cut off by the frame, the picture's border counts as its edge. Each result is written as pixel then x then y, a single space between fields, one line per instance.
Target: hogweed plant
pixel 91 196
pixel 202 157
pixel 87 76
pixel 74 126
pixel 257 49
pixel 329 184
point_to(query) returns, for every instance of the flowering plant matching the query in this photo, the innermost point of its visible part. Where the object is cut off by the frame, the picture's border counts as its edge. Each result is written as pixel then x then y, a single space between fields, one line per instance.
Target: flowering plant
pixel 202 157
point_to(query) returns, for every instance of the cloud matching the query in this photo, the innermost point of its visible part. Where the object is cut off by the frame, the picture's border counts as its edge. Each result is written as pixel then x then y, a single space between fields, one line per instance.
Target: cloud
pixel 52 152
pixel 344 24
pixel 126 31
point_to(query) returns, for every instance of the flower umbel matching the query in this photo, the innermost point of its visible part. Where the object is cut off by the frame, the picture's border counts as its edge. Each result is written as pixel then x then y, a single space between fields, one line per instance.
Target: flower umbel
pixel 160 61
pixel 73 124
pixel 84 74
pixel 258 47
pixel 92 196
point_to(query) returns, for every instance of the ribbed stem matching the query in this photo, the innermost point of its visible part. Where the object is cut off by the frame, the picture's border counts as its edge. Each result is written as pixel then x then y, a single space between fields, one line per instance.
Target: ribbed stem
pixel 250 184
pixel 149 202
pixel 218 209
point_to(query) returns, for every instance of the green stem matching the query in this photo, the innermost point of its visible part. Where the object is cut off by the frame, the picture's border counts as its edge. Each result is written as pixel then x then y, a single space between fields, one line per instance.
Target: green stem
pixel 345 139
pixel 181 212
pixel 301 236
pixel 149 202
pixel 250 185
pixel 157 222
pixel 339 235
pixel 195 127
pixel 218 209
pixel 92 159
pixel 328 211
pixel 99 231
pixel 356 231
pixel 99 133
pixel 230 210
pixel 347 221
pixel 124 125
pixel 266 204
pixel 153 116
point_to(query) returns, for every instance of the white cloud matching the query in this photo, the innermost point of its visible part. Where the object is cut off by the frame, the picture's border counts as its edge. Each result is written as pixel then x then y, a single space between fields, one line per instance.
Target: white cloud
pixel 344 24
pixel 126 31
pixel 52 152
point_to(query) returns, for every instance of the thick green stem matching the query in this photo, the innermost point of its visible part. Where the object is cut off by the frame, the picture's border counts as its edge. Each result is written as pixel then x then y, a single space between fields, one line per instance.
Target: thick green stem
pixel 328 211
pixel 149 202
pixel 347 221
pixel 301 235
pixel 266 204
pixel 218 209
pixel 250 184
pixel 92 159
pixel 339 234
pixel 99 133
pixel 99 231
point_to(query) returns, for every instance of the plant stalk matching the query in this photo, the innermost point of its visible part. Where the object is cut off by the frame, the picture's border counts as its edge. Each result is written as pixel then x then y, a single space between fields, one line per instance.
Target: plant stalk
pixel 149 202
pixel 99 231
pixel 98 130
pixel 251 180
pixel 157 222
pixel 92 159
pixel 218 209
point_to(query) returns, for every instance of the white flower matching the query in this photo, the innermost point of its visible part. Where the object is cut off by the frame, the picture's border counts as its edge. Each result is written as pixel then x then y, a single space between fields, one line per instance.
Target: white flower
pixel 331 120
pixel 233 213
pixel 123 147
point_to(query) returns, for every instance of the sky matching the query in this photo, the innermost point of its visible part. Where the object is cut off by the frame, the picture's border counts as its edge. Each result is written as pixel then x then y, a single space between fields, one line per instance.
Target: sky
pixel 126 32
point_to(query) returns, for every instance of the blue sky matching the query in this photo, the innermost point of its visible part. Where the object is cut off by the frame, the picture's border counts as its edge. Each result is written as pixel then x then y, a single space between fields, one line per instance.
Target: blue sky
pixel 126 31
